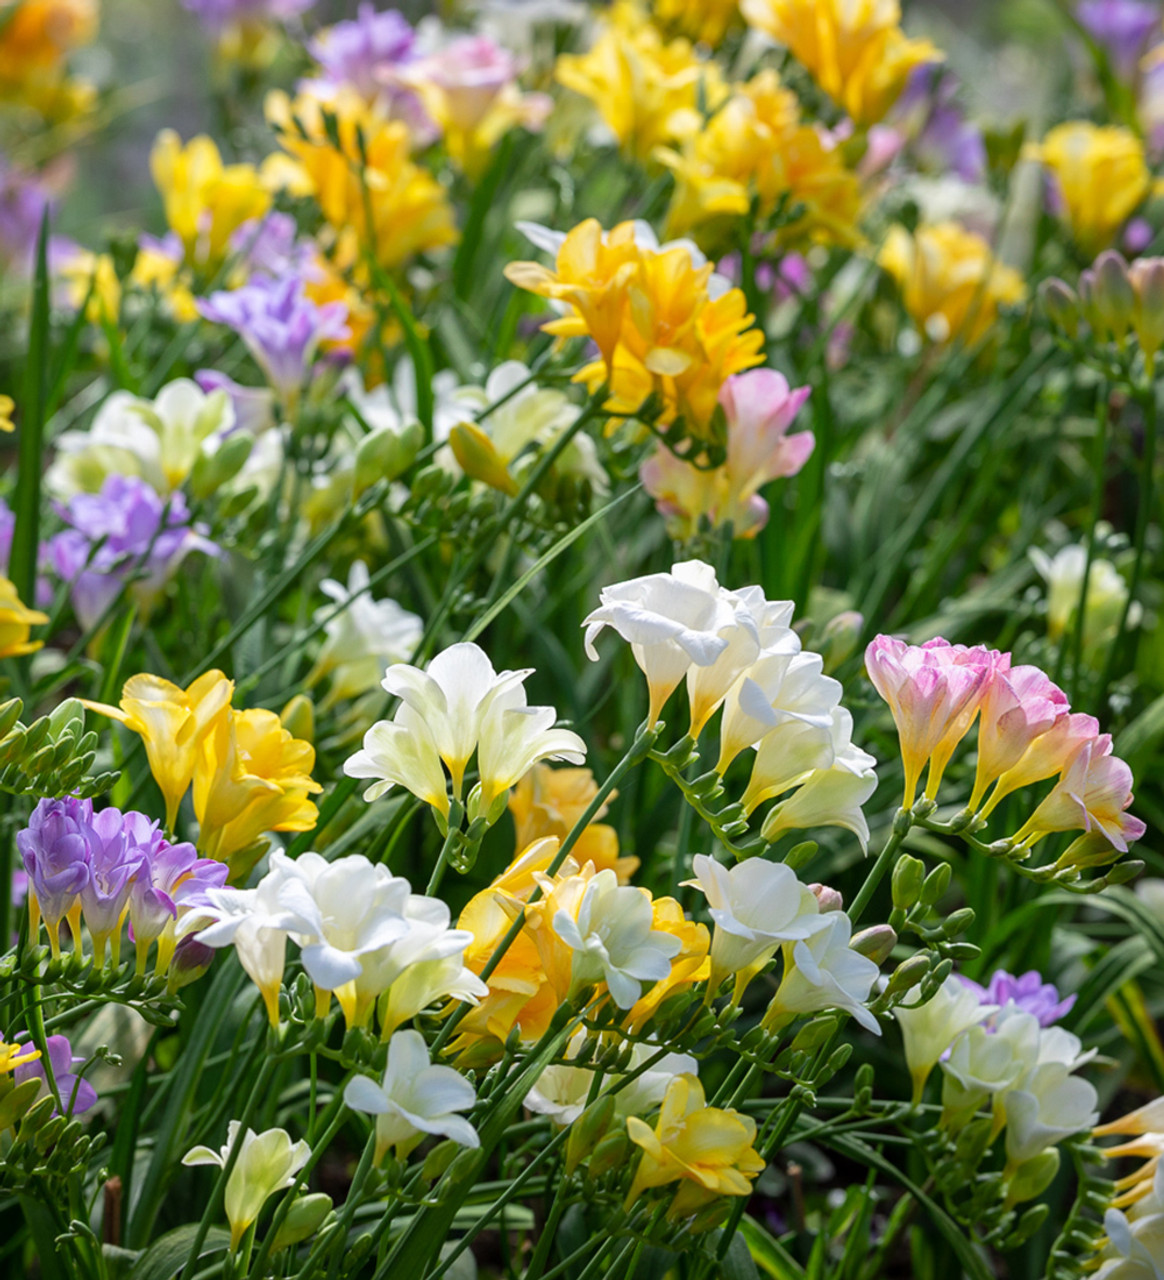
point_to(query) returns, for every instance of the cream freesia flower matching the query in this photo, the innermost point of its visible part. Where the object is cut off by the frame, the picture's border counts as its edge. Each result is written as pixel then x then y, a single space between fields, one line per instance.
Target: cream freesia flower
pixel 929 1029
pixel 414 1099
pixel 824 972
pixel 267 1162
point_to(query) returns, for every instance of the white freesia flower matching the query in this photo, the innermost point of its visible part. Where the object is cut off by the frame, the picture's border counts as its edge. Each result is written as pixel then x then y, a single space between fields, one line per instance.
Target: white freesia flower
pixel 1051 1106
pixel 267 1162
pixel 1107 593
pixel 830 797
pixel 756 906
pixel 672 622
pixel 986 1063
pixel 777 689
pixel 1135 1241
pixel 613 941
pixel 415 1099
pixel 362 638
pixel 159 440
pixel 824 972
pixel 458 702
pixel 929 1029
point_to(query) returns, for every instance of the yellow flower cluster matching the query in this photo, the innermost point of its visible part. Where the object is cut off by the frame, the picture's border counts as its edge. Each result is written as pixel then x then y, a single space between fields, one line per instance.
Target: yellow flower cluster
pixel 205 200
pixel 647 89
pixel 650 312
pixel 854 49
pixel 707 22
pixel 248 773
pixel 1100 177
pixel 756 146
pixel 376 193
pixel 36 39
pixel 16 621
pixel 950 282
pixel 536 975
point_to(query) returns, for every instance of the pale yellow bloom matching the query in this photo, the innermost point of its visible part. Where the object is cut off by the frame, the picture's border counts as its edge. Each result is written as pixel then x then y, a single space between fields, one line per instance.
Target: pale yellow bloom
pixel 252 776
pixel 91 282
pixel 205 200
pixel 16 621
pixel 174 724
pixel 708 1149
pixel 1100 176
pixel 647 90
pixel 950 281
pixel 854 49
pixel 690 965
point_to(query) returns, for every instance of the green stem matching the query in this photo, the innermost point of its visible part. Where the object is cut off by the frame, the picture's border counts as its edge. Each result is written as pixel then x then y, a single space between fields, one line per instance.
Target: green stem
pixel 1097 470
pixel 901 825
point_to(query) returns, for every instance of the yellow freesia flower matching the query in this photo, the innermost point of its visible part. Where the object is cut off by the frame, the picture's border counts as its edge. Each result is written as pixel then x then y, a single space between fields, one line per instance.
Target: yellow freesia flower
pixel 7 409
pixel 16 621
pixel 647 90
pixel 205 200
pixel 951 283
pixel 252 776
pixel 36 37
pixel 16 1055
pixel 91 276
pixel 1100 177
pixel 689 966
pixel 409 209
pixel 549 802
pixel 174 725
pixel 854 49
pixel 155 271
pixel 707 22
pixel 706 1148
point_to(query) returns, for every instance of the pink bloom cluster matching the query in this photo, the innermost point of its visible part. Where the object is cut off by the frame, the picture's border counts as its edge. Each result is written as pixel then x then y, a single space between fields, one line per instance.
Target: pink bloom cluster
pixel 1027 733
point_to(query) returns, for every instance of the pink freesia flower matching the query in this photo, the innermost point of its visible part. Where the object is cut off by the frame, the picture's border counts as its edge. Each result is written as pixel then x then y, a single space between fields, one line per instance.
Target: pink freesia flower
pixel 1092 794
pixel 759 407
pixel 1047 755
pixel 1018 706
pixel 933 691
pixel 471 73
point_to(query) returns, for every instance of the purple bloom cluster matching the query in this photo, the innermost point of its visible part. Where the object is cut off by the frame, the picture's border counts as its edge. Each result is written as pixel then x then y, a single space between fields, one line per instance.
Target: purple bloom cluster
pixel 126 530
pixel 107 865
pixel 23 201
pixel 75 1091
pixel 280 325
pixel 1123 27
pixel 217 14
pixel 272 247
pixel 944 140
pixel 1027 992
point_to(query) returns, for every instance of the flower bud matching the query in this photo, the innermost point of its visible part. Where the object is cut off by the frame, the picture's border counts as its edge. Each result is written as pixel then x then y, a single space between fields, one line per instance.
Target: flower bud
pixel 813 1034
pixel 1060 305
pixel 840 638
pixel 908 974
pixel 588 1130
pixel 908 878
pixel 1033 1177
pixel 1147 277
pixel 1113 298
pixel 298 717
pixel 190 961
pixel 386 454
pixel 958 922
pixel 213 470
pixel 876 942
pixel 829 898
pixel 303 1220
pixel 479 459
pixel 17 1100
pixel 609 1153
pixel 936 884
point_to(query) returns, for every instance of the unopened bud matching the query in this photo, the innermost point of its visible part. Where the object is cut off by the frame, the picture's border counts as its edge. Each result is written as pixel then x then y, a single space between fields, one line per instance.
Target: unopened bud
pixel 1147 277
pixel 1033 1177
pixel 801 853
pixel 829 898
pixel 298 717
pixel 588 1130
pixel 813 1035
pixel 303 1220
pixel 190 961
pixel 1113 298
pixel 958 922
pixel 936 884
pixel 908 878
pixel 479 459
pixel 839 639
pixel 1060 305
pixel 876 942
pixel 609 1153
pixel 212 470
pixel 386 454
pixel 908 974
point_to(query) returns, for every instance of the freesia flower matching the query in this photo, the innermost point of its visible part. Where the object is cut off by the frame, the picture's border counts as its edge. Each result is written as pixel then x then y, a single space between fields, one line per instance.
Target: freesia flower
pixel 365 54
pixel 759 409
pixel 756 906
pixel 823 971
pixel 1028 993
pixel 1049 1106
pixel 173 724
pixel 126 533
pixel 16 623
pixel 1093 792
pixel 13 1056
pixel 267 1162
pixel 171 876
pixel 986 1062
pixel 55 850
pixel 76 1093
pixel 1019 705
pixel 1099 178
pixel 1123 27
pixel 253 776
pixel 710 1150
pixel 1048 754
pixel 613 941
pixel 933 691
pixel 1103 608
pixel 457 706
pixel 414 1099
pixel 928 1030
pixel 673 621
pixel 282 328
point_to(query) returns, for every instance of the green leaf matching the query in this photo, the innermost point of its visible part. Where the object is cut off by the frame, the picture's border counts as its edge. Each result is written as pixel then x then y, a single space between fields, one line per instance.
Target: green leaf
pixel 768 1253
pixel 164 1258
pixel 737 1263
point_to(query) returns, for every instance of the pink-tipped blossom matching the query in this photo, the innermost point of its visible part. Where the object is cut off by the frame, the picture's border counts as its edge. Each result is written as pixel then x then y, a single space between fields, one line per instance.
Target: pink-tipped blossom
pixel 471 72
pixel 1092 794
pixel 1018 706
pixel 759 407
pixel 1047 755
pixel 933 691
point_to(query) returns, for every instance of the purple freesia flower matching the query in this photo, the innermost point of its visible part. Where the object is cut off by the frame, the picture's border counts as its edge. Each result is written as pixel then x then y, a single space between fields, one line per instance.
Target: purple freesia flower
pixel 1122 27
pixel 943 139
pixel 126 530
pixel 280 325
pixel 23 201
pixel 117 855
pixel 217 14
pixel 56 849
pixel 1028 992
pixel 254 407
pixel 171 875
pixel 76 1093
pixel 271 246
pixel 191 960
pixel 359 52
